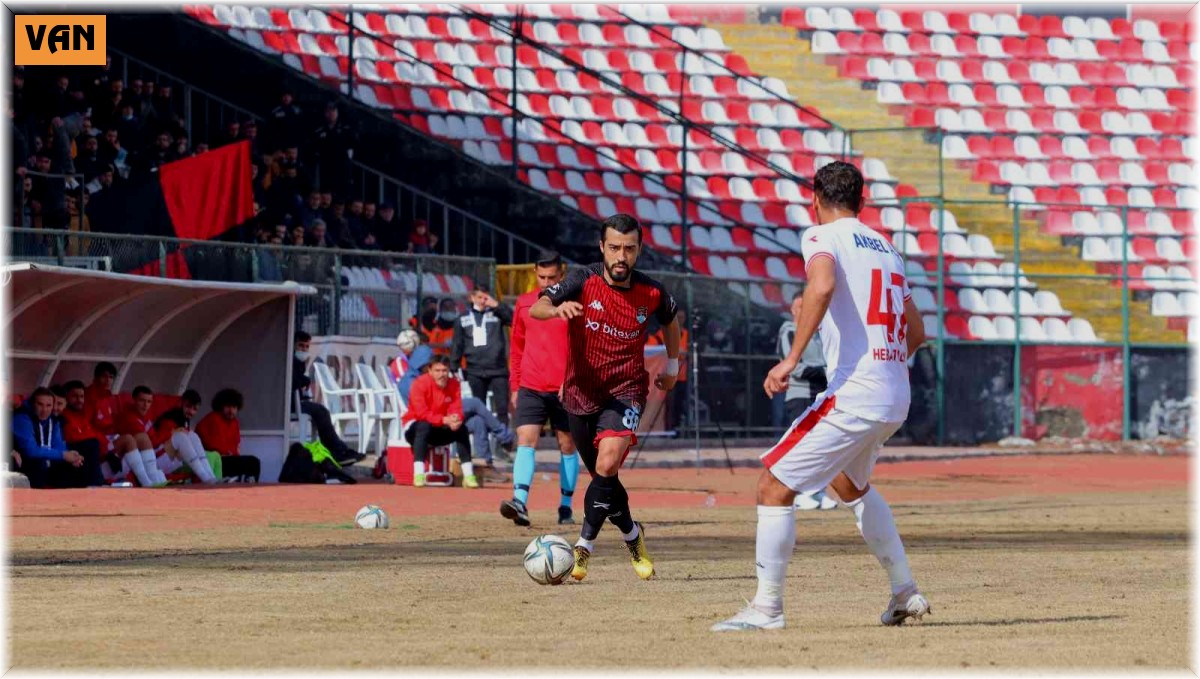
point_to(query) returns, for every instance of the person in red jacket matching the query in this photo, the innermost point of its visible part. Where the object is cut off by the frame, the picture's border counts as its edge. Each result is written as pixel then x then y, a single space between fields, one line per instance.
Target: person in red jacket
pixel 221 432
pixel 100 402
pixel 539 364
pixel 78 431
pixel 435 411
pixel 134 445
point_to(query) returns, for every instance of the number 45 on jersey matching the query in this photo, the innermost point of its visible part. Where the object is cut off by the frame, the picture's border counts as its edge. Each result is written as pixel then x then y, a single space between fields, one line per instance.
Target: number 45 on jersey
pixel 888 309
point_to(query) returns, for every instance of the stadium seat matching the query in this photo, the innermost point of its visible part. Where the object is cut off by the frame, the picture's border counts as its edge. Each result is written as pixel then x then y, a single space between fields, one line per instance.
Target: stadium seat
pixel 1081 330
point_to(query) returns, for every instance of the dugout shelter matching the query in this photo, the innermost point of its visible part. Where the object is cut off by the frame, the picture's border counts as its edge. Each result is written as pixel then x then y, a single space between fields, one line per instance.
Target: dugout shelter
pixel 167 334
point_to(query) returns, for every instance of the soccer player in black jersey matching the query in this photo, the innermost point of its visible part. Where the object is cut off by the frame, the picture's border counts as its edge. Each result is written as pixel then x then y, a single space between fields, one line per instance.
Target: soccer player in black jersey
pixel 607 307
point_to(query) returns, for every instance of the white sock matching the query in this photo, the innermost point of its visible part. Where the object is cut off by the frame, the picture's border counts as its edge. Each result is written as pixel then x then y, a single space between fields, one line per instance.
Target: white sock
pixel 775 541
pixel 195 459
pixel 874 518
pixel 468 469
pixel 632 535
pixel 150 461
pixel 586 544
pixel 208 475
pixel 418 468
pixel 133 460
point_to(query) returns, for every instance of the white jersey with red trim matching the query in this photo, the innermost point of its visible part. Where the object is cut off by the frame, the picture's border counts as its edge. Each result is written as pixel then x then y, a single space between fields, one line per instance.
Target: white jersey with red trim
pixel 863 332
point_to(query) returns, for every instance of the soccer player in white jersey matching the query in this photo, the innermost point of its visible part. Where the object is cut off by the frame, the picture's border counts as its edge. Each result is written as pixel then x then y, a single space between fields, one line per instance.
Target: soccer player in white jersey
pixel 858 299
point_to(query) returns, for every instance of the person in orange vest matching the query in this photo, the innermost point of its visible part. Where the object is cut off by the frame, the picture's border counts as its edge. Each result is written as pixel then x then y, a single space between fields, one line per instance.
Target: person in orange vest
pixel 441 337
pixel 677 405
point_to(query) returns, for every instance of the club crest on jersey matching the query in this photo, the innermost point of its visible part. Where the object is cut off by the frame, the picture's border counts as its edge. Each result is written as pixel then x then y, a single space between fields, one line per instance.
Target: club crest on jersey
pixel 596 305
pixel 641 314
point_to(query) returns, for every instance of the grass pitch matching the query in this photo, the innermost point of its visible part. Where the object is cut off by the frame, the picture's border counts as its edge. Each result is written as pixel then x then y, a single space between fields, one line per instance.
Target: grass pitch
pixel 1090 579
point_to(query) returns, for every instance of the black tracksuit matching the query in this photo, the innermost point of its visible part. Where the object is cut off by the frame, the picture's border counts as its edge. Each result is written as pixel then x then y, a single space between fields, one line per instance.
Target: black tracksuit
pixel 487 364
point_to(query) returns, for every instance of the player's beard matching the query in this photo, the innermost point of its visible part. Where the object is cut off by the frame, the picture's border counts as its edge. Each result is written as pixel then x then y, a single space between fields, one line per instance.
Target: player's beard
pixel 622 276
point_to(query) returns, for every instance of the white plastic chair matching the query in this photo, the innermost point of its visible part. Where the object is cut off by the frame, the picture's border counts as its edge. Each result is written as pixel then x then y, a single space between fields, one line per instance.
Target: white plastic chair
pixel 333 397
pixel 381 409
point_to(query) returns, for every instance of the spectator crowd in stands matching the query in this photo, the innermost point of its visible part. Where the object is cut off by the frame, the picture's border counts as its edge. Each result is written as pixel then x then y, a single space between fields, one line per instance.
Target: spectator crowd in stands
pixel 90 121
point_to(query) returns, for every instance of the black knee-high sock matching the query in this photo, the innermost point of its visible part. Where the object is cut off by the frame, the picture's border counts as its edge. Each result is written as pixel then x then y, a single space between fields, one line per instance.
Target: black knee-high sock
pixel 598 503
pixel 620 515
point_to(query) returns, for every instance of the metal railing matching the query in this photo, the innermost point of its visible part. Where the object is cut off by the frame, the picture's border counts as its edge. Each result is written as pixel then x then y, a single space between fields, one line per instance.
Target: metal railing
pixel 515 115
pixel 360 292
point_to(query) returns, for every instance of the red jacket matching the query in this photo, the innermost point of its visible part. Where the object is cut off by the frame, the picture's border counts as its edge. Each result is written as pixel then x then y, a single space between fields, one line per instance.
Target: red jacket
pixel 219 434
pixel 131 422
pixel 539 349
pixel 77 426
pixel 430 403
pixel 102 409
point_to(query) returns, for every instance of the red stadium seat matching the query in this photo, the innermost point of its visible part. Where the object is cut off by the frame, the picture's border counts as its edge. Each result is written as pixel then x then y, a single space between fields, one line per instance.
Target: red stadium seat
pixel 865 19
pixel 854 67
pixel 1165 198
pixel 795 267
pixel 1050 26
pixel 957 326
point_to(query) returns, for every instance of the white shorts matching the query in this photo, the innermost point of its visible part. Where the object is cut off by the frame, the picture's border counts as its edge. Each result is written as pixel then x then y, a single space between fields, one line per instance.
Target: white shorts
pixel 824 442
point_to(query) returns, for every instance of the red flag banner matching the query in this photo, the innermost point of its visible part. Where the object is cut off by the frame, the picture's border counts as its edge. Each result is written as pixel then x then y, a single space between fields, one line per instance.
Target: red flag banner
pixel 210 193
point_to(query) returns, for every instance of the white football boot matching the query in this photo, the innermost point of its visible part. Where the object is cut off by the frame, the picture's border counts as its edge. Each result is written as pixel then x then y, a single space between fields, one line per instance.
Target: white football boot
pixel 806 502
pixel 905 605
pixel 749 618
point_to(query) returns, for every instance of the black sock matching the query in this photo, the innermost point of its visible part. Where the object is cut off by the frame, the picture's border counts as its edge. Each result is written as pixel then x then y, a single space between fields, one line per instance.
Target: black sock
pixel 620 515
pixel 597 505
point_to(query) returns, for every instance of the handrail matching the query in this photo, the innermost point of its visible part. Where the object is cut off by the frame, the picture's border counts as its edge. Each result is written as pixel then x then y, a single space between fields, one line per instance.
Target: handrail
pixel 297 249
pixel 657 30
pixel 556 127
pixel 679 117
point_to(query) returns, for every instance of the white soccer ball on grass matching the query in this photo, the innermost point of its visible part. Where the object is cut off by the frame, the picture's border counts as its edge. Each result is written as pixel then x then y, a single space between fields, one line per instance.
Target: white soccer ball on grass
pixel 371 516
pixel 549 559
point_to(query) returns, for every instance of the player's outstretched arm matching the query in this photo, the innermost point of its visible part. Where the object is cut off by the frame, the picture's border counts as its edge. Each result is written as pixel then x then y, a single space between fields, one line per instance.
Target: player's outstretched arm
pixel 544 309
pixel 821 280
pixel 916 326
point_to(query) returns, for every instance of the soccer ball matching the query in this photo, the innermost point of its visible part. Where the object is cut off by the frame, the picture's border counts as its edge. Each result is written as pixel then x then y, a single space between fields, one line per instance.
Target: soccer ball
pixel 549 559
pixel 371 516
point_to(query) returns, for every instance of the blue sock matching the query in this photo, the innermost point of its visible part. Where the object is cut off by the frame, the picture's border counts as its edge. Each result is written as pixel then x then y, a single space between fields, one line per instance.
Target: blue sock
pixel 568 474
pixel 523 473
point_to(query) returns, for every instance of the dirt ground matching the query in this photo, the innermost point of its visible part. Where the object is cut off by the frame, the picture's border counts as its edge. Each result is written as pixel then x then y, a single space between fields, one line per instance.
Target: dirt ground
pixel 1050 562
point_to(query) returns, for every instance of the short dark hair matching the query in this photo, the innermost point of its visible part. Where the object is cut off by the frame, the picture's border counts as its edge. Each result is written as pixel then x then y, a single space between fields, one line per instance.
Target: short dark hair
pixel 839 184
pixel 142 389
pixel 481 287
pixel 438 360
pixel 227 397
pixel 302 336
pixel 548 258
pixel 72 385
pixel 621 223
pixel 191 397
pixel 40 391
pixel 58 390
pixel 104 368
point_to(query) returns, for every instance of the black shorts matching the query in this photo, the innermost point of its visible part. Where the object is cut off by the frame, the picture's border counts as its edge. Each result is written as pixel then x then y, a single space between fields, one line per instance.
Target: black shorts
pixel 535 407
pixel 615 419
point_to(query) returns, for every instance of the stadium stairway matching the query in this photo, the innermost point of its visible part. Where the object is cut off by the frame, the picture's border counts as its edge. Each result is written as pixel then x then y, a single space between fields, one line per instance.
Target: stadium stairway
pixel 778 51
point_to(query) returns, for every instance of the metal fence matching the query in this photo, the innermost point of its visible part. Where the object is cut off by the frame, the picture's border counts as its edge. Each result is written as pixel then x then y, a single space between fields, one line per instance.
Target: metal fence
pixel 1051 319
pixel 360 293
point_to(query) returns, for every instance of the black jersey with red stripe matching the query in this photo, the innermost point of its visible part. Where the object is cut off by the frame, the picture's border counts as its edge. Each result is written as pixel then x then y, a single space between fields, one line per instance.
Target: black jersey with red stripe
pixel 608 341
